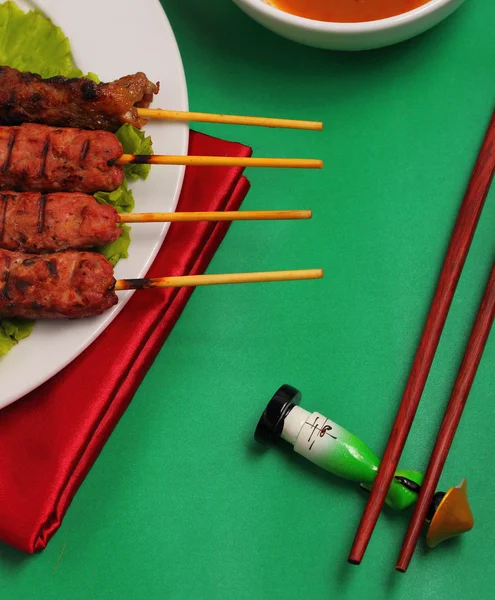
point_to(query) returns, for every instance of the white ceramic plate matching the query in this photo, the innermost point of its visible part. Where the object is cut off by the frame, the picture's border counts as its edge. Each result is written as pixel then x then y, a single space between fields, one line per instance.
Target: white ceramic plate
pixel 111 38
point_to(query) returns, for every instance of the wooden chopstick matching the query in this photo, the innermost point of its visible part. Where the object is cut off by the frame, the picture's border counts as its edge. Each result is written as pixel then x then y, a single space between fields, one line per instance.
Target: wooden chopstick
pixel 220 161
pixel 457 252
pixel 176 115
pixel 245 215
pixel 452 417
pixel 225 278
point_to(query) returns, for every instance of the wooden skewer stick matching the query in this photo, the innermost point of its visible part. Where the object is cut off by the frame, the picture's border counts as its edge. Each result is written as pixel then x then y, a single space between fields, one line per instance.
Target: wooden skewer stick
pixel 245 215
pixel 176 115
pixel 227 278
pixel 457 252
pixel 453 414
pixel 220 161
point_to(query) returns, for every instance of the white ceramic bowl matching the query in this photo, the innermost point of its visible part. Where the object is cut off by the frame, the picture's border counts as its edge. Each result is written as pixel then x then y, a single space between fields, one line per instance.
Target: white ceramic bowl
pixel 349 36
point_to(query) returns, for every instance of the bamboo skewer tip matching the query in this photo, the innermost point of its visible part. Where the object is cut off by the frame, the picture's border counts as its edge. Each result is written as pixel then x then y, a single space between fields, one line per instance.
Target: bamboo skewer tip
pixel 220 161
pixel 216 216
pixel 218 279
pixel 176 115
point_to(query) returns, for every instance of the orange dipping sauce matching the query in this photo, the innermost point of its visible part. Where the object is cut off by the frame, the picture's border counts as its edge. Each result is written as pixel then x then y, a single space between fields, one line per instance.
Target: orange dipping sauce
pixel 347 11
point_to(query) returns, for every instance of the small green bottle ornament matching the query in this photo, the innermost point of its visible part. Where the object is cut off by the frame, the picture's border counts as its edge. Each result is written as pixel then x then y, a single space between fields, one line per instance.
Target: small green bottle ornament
pixel 330 446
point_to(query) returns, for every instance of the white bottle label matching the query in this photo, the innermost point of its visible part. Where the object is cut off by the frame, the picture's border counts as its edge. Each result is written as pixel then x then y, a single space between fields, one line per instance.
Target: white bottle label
pixel 318 438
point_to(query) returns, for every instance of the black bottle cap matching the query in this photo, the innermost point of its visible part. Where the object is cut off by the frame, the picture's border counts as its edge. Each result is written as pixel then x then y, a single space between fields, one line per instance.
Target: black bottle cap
pixel 271 423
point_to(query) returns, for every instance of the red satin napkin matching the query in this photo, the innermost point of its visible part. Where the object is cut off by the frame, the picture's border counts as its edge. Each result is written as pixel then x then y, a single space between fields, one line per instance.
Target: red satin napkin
pixel 50 439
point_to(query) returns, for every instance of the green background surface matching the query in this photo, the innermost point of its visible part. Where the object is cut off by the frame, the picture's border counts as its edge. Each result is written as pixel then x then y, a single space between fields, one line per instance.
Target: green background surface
pixel 181 504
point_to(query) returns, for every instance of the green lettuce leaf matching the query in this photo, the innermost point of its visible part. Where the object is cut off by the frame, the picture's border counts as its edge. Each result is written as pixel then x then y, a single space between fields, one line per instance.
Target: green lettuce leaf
pixel 121 198
pixel 31 42
pixel 118 249
pixel 13 331
pixel 135 142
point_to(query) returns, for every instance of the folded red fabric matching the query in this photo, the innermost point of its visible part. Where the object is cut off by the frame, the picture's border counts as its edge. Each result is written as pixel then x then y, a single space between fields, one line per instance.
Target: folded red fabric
pixel 50 439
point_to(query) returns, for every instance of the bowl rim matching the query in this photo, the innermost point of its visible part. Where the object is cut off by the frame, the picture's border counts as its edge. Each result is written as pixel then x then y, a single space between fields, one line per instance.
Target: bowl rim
pixel 362 26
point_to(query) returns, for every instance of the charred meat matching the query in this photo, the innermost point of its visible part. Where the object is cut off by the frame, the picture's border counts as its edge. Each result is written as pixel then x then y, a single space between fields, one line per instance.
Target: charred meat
pixel 46 159
pixel 65 285
pixel 34 222
pixel 81 103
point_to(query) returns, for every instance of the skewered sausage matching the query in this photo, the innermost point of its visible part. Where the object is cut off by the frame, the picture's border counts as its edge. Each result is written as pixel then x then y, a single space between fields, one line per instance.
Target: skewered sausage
pixel 65 285
pixel 46 159
pixel 34 222
pixel 77 102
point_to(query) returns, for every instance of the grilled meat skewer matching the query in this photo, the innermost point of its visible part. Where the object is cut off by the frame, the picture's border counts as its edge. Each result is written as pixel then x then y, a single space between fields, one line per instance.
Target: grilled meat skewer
pixel 78 102
pixel 46 159
pixel 73 285
pixel 65 285
pixel 34 222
